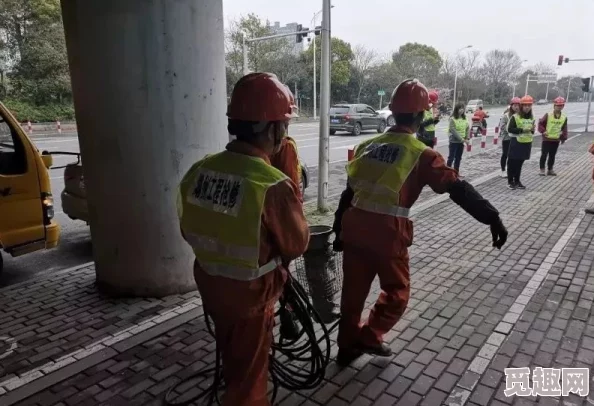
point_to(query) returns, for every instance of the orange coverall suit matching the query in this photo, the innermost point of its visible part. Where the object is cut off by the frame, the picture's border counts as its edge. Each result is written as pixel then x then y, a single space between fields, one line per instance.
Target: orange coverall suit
pixel 286 160
pixel 591 150
pixel 243 311
pixel 377 244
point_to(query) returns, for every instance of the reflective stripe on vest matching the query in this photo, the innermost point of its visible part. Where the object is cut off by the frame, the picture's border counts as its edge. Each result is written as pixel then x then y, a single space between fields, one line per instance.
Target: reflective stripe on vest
pixel 554 125
pixel 379 169
pixel 461 124
pixel 428 115
pixel 526 125
pixel 221 200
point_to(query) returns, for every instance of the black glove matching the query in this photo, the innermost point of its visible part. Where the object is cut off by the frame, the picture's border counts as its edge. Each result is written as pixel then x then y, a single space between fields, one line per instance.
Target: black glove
pixel 499 233
pixel 337 245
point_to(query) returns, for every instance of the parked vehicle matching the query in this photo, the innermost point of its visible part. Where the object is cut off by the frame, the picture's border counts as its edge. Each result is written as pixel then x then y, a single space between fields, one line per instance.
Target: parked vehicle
pixel 74 195
pixel 473 105
pixel 387 115
pixel 542 102
pixel 355 118
pixel 26 202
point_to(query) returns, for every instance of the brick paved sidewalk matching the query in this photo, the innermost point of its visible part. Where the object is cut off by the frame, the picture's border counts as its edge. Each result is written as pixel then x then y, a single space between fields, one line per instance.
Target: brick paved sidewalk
pixel 473 311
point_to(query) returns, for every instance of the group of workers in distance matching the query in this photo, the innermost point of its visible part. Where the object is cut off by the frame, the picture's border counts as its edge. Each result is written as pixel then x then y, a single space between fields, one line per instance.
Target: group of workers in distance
pixel 517 131
pixel 244 220
pixel 518 127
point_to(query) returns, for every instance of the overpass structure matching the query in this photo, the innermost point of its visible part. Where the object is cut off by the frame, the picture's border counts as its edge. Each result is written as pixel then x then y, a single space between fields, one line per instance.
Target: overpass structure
pixel 148 79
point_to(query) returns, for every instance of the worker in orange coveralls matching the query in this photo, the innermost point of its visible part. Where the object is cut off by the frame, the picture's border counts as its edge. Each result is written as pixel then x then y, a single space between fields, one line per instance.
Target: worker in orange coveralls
pixel 286 159
pixel 372 224
pixel 243 219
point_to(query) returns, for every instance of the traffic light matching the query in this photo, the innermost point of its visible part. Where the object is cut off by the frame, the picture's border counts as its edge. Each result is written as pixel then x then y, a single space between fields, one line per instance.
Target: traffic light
pixel 318 30
pixel 301 36
pixel 560 62
pixel 586 85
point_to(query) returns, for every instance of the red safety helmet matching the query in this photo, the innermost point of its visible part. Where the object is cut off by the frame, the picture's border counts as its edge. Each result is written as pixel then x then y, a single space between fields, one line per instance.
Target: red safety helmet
pixel 515 100
pixel 433 97
pixel 410 96
pixel 527 100
pixel 559 101
pixel 260 96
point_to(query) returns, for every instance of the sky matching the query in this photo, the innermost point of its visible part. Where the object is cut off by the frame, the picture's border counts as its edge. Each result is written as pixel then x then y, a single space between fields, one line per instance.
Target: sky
pixel 539 30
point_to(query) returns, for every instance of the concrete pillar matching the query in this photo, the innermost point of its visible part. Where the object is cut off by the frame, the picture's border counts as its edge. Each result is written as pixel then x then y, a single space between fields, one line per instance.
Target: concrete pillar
pixel 148 79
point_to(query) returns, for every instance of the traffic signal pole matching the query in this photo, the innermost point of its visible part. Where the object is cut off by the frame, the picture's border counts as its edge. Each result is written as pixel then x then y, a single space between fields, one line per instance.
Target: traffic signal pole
pixel 247 41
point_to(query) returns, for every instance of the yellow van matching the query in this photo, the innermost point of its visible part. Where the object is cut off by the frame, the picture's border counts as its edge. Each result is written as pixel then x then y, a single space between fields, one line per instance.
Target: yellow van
pixel 26 202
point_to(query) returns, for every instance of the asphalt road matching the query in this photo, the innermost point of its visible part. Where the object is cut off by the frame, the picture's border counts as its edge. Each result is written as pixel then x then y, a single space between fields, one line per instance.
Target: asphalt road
pixel 75 242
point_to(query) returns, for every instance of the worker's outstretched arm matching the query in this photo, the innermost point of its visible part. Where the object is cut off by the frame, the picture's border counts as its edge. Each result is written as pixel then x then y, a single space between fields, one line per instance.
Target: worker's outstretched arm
pixel 443 179
pixel 345 202
pixel 466 196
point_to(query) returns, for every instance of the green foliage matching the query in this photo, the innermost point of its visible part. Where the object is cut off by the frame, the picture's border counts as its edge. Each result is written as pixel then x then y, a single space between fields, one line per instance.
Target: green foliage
pixel 34 52
pixel 25 111
pixel 413 60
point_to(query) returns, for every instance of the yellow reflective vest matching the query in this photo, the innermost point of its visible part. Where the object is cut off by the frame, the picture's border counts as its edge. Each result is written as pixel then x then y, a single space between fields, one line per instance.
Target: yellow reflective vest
pixel 378 170
pixel 526 125
pixel 220 203
pixel 461 127
pixel 428 115
pixel 554 125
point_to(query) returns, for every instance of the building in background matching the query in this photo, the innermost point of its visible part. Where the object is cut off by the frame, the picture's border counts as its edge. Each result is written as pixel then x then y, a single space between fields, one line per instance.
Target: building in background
pixel 295 47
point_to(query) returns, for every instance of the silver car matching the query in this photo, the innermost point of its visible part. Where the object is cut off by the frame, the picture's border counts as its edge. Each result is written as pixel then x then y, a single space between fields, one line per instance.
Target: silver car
pixel 386 114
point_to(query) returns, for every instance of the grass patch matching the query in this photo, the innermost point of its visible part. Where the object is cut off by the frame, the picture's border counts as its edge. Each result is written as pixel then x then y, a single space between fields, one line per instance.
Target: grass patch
pixel 315 217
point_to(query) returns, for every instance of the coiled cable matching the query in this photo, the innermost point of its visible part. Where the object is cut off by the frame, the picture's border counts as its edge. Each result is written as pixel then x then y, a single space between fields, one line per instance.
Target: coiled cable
pixel 297 362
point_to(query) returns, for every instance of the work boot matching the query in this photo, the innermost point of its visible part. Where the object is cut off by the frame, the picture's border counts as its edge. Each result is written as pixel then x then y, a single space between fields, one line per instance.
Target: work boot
pixel 542 172
pixel 346 356
pixel 381 350
pixel 589 210
pixel 520 186
pixel 551 173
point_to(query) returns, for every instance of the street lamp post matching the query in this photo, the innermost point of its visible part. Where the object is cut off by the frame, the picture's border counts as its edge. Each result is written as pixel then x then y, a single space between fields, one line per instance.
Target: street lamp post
pixel 515 83
pixel 324 144
pixel 315 86
pixel 456 76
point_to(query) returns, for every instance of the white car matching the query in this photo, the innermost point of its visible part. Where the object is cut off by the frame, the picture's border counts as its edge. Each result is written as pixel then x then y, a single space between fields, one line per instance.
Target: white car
pixel 473 105
pixel 386 114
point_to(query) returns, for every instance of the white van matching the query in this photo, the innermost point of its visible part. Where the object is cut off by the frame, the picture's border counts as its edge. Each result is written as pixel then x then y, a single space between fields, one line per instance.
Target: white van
pixel 473 105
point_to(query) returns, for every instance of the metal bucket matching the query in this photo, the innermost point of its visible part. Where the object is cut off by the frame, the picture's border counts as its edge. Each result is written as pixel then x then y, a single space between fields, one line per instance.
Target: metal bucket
pixel 322 273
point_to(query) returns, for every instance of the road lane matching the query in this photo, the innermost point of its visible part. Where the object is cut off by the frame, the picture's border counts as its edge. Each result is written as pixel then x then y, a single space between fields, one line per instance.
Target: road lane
pixel 75 241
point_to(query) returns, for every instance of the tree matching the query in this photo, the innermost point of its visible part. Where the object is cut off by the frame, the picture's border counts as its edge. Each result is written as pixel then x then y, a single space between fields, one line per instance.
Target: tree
pixel 363 61
pixel 270 55
pixel 419 61
pixel 340 71
pixel 499 66
pixel 36 47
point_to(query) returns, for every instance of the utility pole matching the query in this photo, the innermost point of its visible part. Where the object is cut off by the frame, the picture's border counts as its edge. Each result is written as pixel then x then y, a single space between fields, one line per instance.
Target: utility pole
pixel 589 104
pixel 547 93
pixel 568 87
pixel 245 55
pixel 324 147
pixel 527 81
pixel 315 85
